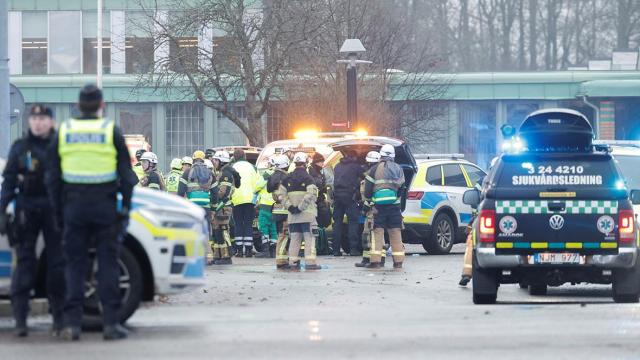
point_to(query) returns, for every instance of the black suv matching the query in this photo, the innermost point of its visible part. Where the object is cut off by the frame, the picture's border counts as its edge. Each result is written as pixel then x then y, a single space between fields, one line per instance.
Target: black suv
pixel 558 211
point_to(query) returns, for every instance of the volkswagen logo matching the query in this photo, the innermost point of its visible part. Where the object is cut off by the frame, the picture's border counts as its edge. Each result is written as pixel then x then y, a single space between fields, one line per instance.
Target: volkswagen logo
pixel 556 222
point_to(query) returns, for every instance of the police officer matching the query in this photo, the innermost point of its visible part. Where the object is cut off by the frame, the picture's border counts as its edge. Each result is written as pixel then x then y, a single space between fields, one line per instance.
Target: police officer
pixel 301 193
pixel 243 207
pixel 89 166
pixel 346 183
pixel 382 187
pixel 280 212
pixel 24 182
pixel 226 180
pixel 373 158
pixel 152 178
pixel 137 168
pixel 173 178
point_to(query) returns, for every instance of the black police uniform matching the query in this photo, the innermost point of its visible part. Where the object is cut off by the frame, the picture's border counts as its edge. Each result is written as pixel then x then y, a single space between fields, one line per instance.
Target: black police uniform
pixel 24 183
pixel 90 216
pixel 348 174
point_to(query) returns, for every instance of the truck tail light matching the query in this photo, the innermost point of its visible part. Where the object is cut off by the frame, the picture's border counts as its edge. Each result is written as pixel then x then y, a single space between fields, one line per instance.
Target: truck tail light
pixel 487 226
pixel 415 195
pixel 626 225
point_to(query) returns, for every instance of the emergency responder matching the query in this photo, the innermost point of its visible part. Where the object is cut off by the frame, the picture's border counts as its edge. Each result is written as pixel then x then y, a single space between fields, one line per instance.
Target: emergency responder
pixel 301 193
pixel 243 207
pixel 137 168
pixel 24 182
pixel 266 224
pixel 346 183
pixel 152 178
pixel 382 187
pixel 208 164
pixel 373 158
pixel 323 219
pixel 226 180
pixel 187 162
pixel 173 178
pixel 89 166
pixel 280 212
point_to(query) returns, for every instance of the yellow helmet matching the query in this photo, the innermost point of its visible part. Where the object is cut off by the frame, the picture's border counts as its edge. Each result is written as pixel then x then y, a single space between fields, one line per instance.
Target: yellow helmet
pixel 198 154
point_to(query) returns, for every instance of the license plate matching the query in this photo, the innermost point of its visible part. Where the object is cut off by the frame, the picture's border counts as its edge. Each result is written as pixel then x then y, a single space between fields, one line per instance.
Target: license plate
pixel 557 258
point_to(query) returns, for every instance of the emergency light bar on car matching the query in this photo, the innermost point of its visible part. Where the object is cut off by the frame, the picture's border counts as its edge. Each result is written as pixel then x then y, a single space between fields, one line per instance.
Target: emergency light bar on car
pixel 628 143
pixel 438 156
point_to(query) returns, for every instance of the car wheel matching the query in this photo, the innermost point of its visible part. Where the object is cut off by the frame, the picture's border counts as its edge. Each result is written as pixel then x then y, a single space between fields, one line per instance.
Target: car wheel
pixel 485 284
pixel 130 289
pixel 626 284
pixel 442 236
pixel 538 290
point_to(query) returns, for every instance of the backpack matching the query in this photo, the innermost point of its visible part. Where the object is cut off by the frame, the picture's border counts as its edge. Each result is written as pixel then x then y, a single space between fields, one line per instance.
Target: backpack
pixel 201 175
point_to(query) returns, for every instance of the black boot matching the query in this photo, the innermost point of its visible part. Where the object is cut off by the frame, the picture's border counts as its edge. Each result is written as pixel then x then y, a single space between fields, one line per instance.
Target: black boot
pixel 272 250
pixel 373 265
pixel 56 328
pixel 70 333
pixel 248 251
pixel 382 260
pixel 265 253
pixel 239 251
pixel 397 265
pixel 223 261
pixel 21 328
pixel 114 332
pixel 363 263
pixel 464 280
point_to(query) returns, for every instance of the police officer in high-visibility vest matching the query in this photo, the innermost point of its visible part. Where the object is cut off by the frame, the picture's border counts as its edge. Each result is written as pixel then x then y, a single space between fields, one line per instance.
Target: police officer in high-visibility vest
pixel 89 166
pixel 174 175
pixel 382 187
pixel 137 168
pixel 24 176
pixel 368 238
pixel 266 224
pixel 152 178
pixel 243 207
pixel 226 180
pixel 280 212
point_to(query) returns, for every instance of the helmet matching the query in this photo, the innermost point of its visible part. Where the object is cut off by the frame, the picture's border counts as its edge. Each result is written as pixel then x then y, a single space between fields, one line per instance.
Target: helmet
pixel 300 157
pixel 198 154
pixel 209 153
pixel 150 157
pixel 208 163
pixel 176 164
pixel 139 153
pixel 187 160
pixel 222 155
pixel 280 161
pixel 373 157
pixel 388 151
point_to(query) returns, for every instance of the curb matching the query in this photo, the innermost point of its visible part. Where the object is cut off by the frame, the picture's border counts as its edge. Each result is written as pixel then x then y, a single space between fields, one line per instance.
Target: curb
pixel 39 307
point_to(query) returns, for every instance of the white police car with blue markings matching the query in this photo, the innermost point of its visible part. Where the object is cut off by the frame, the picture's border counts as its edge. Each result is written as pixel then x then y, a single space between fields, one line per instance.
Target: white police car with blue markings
pixel 435 215
pixel 163 253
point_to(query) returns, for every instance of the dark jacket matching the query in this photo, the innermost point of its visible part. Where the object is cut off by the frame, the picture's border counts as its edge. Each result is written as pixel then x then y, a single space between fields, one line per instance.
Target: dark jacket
pixel 347 176
pixel 321 182
pixel 124 184
pixel 275 180
pixel 24 173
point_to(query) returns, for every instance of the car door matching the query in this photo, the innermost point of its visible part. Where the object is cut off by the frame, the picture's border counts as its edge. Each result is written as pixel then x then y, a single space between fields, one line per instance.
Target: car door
pixel 455 184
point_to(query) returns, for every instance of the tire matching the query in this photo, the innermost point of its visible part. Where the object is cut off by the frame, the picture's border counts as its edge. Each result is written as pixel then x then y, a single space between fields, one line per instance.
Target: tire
pixel 131 288
pixel 538 290
pixel 485 284
pixel 443 235
pixel 626 284
pixel 523 285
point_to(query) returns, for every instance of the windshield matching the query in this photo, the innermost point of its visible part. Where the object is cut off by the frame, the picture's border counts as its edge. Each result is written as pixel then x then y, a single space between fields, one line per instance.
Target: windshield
pixel 630 167
pixel 309 147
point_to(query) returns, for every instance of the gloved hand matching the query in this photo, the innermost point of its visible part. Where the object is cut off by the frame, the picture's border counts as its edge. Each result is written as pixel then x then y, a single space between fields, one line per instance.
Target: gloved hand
pixel 218 206
pixel 4 223
pixel 294 210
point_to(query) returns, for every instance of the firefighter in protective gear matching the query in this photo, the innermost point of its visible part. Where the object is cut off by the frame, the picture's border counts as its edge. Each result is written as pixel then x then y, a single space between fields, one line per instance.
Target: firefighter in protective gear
pixel 266 224
pixel 137 168
pixel 187 162
pixel 383 184
pixel 173 178
pixel 301 194
pixel 89 165
pixel 373 158
pixel 243 206
pixel 227 179
pixel 280 212
pixel 152 177
pixel 208 164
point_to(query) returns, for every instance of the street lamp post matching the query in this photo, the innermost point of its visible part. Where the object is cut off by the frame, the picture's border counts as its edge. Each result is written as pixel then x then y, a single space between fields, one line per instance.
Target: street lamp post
pixel 352 47
pixel 99 46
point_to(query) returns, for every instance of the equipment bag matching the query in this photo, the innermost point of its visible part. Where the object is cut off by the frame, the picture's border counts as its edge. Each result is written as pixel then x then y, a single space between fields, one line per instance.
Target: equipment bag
pixel 385 197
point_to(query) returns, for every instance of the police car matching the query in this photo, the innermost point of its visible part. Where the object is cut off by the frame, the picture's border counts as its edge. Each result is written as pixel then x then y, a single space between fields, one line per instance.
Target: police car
pixel 435 215
pixel 557 212
pixel 163 253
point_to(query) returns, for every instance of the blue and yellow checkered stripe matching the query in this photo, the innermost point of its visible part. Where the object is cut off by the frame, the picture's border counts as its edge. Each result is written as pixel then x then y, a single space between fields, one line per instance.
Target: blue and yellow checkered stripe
pixel 556 245
pixel 571 207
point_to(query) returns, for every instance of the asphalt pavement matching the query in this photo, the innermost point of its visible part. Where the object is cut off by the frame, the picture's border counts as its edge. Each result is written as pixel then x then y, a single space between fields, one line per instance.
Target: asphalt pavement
pixel 251 311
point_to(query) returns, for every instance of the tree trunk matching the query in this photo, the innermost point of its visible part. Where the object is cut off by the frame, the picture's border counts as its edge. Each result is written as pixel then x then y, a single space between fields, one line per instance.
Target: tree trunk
pixel 522 59
pixel 533 34
pixel 465 36
pixel 623 23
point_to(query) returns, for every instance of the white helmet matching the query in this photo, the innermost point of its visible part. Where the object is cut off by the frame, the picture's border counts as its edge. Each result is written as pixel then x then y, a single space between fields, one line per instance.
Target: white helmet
pixel 300 157
pixel 280 161
pixel 373 157
pixel 187 160
pixel 222 155
pixel 209 164
pixel 388 151
pixel 149 156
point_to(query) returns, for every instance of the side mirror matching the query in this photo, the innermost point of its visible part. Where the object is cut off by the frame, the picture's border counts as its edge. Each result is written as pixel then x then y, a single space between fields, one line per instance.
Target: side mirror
pixel 635 197
pixel 472 198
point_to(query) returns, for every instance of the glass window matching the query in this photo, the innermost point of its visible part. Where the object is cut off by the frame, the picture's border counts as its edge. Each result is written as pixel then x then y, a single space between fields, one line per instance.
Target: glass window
pixel 34 42
pixel 183 52
pixel 65 44
pixel 137 119
pixel 474 174
pixel 90 42
pixel 434 175
pixel 228 133
pixel 139 46
pixel 477 131
pixel 453 176
pixel 184 129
